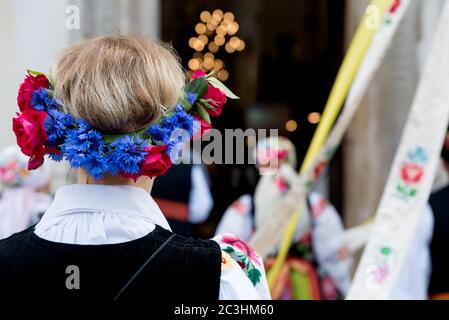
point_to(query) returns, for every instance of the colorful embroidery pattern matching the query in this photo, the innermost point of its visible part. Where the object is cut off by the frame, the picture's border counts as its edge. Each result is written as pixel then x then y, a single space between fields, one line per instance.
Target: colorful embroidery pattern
pixel 378 272
pixel 226 263
pixel 412 172
pixel 393 9
pixel 244 255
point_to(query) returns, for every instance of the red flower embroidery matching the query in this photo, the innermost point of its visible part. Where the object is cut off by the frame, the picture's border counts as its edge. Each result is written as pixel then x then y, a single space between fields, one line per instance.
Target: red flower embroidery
pixel 240 207
pixel 412 173
pixel 319 169
pixel 242 246
pixel 395 6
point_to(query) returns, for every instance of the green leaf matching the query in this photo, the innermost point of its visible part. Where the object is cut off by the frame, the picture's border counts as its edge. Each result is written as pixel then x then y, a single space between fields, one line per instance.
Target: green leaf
pixel 202 112
pixel 35 73
pixel 254 275
pixel 184 102
pixel 211 73
pixel 229 249
pixel 198 86
pixel 219 85
pixel 386 251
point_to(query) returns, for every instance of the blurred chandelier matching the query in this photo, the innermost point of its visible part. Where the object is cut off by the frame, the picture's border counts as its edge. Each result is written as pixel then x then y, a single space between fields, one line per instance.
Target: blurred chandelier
pixel 216 30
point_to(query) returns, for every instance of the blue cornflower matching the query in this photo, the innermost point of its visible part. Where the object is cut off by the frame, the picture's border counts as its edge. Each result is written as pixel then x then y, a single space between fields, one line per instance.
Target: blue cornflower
pixel 159 134
pixel 191 97
pixel 81 142
pixel 170 122
pixel 56 125
pixel 56 157
pixel 180 119
pixel 185 121
pixel 96 165
pixel 42 101
pixel 128 153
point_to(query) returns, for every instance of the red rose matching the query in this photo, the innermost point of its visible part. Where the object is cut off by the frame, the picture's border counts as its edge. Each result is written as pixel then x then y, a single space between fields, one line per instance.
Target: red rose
pixel 27 88
pixel 157 161
pixel 204 128
pixel 412 173
pixel 198 74
pixel 216 99
pixel 31 136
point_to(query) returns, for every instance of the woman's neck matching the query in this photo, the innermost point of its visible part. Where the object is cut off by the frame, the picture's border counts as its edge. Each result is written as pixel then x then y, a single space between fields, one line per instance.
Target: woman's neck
pixel 144 183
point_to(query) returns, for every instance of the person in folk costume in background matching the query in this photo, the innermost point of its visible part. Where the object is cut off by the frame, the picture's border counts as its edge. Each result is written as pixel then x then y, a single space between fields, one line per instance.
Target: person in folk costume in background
pixel 191 201
pixel 319 266
pixel 119 136
pixel 24 194
pixel 439 247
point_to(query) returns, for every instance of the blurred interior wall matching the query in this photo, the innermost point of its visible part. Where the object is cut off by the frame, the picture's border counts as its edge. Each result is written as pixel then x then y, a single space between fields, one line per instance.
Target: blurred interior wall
pixel 31 34
pixel 373 137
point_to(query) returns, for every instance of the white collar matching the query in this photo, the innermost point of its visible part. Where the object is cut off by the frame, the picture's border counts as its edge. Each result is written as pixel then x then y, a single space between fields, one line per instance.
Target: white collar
pixel 120 200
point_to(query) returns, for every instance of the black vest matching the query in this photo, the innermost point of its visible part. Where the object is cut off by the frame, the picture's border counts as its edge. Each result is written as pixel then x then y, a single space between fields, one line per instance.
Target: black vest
pixel 183 270
pixel 439 248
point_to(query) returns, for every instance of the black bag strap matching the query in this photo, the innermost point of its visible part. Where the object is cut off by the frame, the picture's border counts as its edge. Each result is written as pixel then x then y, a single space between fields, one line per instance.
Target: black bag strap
pixel 143 267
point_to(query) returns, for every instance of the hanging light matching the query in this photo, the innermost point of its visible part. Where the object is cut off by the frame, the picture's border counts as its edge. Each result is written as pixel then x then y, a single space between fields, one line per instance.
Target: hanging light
pixel 205 16
pixel 229 48
pixel 219 40
pixel 204 39
pixel 222 30
pixel 314 117
pixel 217 15
pixel 235 42
pixel 228 16
pixel 213 47
pixel 219 64
pixel 291 125
pixel 192 42
pixel 241 46
pixel 200 28
pixel 194 64
pixel 233 28
pixel 223 75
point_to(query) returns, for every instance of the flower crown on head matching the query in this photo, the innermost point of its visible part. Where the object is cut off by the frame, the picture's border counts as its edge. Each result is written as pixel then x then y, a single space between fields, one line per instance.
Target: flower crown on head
pixel 43 128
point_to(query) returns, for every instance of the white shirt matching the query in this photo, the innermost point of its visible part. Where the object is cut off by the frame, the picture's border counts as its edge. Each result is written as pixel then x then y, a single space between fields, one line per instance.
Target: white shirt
pixel 99 214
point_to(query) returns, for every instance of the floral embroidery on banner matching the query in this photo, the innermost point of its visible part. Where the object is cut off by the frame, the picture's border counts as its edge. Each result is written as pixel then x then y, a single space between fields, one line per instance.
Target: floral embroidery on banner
pixel 226 263
pixel 281 184
pixel 378 272
pixel 393 9
pixel 244 255
pixel 240 207
pixel 412 173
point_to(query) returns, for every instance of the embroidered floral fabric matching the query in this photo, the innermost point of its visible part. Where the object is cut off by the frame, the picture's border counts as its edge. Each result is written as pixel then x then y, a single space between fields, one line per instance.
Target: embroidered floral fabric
pixel 238 257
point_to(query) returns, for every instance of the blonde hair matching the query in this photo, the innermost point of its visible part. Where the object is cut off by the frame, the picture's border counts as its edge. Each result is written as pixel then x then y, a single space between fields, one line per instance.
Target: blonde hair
pixel 118 83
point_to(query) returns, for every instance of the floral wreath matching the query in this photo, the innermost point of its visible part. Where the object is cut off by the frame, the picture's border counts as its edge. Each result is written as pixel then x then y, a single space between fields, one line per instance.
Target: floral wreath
pixel 43 128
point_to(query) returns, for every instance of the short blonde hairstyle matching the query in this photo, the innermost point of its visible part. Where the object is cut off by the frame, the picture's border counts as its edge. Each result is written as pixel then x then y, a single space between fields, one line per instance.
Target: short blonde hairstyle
pixel 118 84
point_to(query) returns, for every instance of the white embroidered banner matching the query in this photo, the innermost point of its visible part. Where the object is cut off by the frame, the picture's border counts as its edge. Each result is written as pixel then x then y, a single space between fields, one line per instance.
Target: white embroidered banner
pixel 411 177
pixel 269 235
